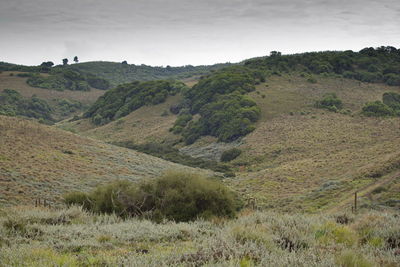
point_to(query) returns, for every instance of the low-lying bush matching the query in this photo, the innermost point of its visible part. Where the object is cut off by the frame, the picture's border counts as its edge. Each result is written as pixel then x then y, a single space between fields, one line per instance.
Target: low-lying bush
pixel 377 109
pixel 174 196
pixel 230 154
pixel 330 102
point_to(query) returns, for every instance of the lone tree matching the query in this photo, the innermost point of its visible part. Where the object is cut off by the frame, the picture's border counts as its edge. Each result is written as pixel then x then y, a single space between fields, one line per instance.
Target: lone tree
pixel 76 59
pixel 65 61
pixel 124 62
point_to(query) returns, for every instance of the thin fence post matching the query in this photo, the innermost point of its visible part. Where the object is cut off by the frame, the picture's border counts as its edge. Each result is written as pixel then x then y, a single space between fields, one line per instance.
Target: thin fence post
pixel 355 202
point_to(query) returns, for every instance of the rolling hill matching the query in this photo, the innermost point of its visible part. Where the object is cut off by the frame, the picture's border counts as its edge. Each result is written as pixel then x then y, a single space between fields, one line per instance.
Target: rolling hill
pixel 39 161
pixel 298 156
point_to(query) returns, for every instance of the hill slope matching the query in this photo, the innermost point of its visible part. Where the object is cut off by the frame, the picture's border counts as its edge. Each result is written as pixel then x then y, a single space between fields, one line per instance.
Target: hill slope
pixel 297 156
pixel 118 73
pixel 38 161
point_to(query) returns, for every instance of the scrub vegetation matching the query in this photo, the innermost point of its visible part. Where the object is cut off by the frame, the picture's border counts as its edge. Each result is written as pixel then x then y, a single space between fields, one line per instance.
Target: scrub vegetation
pixel 75 237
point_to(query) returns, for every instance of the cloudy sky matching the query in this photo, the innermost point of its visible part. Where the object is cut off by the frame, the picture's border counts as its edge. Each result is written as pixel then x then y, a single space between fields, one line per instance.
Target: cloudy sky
pixel 181 32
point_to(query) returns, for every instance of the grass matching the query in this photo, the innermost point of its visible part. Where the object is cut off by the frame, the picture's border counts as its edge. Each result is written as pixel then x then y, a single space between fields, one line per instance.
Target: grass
pixel 253 239
pixel 39 161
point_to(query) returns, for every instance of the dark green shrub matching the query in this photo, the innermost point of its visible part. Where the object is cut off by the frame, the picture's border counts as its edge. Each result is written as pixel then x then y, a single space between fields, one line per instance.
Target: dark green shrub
pixel 78 198
pixel 230 154
pixel 392 100
pixel 312 80
pixel 174 196
pixel 181 123
pixel 228 117
pixel 25 74
pixel 377 109
pixel 330 102
pixel 392 79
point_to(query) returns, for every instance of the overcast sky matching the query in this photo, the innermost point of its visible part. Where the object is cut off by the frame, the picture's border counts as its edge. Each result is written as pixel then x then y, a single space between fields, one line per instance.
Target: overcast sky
pixel 182 32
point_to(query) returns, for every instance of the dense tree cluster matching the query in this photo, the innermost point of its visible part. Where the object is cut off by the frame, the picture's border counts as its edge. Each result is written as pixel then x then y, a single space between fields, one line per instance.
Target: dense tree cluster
pixel 375 65
pixel 219 98
pixel 124 99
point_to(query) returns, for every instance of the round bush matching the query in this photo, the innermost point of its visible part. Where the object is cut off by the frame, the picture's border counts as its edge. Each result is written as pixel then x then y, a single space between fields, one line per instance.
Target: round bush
pixel 230 154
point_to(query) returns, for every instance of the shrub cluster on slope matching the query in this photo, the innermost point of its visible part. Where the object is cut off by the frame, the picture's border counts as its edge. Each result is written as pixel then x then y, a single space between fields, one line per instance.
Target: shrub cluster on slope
pixel 330 102
pixel 375 65
pixel 124 99
pixel 13 104
pixel 389 107
pixel 174 196
pixel 58 78
pixel 225 112
pixel 62 78
pixel 230 154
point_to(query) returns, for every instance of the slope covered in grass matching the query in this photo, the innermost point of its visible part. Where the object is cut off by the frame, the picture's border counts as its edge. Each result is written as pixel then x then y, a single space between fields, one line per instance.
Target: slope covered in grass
pixel 307 158
pixel 38 161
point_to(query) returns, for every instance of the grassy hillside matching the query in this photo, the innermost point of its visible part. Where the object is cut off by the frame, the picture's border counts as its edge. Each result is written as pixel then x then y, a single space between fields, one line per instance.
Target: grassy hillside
pixel 307 158
pixel 38 161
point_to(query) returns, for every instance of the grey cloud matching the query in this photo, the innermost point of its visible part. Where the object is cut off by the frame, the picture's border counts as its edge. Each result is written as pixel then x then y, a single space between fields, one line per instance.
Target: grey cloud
pixel 190 31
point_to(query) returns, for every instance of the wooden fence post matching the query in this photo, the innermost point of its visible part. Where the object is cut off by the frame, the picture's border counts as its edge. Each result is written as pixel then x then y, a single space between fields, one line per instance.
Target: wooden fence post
pixel 355 202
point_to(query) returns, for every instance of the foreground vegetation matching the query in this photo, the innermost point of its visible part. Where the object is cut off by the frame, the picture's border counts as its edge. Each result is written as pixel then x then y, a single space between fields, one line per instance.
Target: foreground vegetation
pixel 174 196
pixel 73 237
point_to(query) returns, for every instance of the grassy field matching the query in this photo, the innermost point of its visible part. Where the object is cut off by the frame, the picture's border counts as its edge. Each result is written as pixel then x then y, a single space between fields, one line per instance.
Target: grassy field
pixel 72 237
pixel 38 161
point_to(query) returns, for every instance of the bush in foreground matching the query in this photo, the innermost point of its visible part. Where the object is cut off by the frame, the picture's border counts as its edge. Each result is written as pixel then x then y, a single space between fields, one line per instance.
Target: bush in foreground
pixel 174 196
